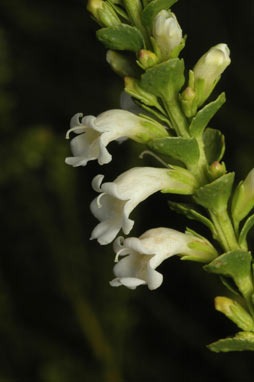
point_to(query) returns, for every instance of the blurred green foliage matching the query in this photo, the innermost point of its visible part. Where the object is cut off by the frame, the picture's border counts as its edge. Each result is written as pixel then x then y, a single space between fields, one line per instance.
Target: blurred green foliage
pixel 60 321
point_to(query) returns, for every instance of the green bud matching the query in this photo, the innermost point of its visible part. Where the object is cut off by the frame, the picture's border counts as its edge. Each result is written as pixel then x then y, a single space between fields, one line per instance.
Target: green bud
pixel 147 59
pixel 209 68
pixel 188 101
pixel 235 312
pixel 103 13
pixel 122 64
pixel 216 169
pixel 243 199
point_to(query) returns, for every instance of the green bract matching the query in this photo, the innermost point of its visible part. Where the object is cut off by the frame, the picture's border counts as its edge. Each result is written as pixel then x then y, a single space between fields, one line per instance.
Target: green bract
pixel 184 149
pixel 215 195
pixel 237 265
pixel 203 117
pixel 164 80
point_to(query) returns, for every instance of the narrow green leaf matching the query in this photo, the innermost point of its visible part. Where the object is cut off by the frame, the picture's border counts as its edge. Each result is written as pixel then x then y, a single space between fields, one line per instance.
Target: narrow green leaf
pixel 121 37
pixel 184 149
pixel 153 8
pixel 214 142
pixel 237 265
pixel 191 213
pixel 242 341
pixel 215 195
pixel 164 79
pixel 202 118
pixel 245 230
pixel 229 284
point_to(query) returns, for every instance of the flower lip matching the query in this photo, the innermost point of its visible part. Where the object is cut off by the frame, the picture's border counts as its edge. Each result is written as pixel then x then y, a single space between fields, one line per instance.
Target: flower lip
pixel 93 134
pixel 118 199
pixel 141 256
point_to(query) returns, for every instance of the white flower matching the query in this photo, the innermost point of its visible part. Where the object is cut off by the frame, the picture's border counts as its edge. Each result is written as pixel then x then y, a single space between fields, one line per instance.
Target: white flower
pixel 167 32
pixel 210 66
pixel 143 255
pixel 118 199
pixel 94 134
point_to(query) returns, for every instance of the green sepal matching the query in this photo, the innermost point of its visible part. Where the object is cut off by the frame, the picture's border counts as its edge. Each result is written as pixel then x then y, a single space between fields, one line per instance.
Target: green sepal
pixel 229 284
pixel 202 118
pixel 152 9
pixel 107 16
pixel 204 252
pixel 158 115
pixel 132 87
pixel 175 52
pixel 164 80
pixel 119 10
pixel 215 195
pixel 214 144
pixel 249 223
pixel 184 149
pixel 242 341
pixel 187 182
pixel 191 213
pixel 237 265
pixel 121 37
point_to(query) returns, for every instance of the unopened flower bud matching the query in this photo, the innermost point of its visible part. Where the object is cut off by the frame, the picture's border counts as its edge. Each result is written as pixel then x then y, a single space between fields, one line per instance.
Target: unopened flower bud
pixel 103 13
pixel 167 33
pixel 235 312
pixel 243 199
pixel 188 98
pixel 188 94
pixel 147 58
pixel 209 68
pixel 121 64
pixel 216 169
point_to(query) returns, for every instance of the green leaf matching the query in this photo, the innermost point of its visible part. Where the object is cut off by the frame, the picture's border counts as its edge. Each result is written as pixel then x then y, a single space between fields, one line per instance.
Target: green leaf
pixel 215 195
pixel 191 213
pixel 245 230
pixel 202 118
pixel 183 149
pixel 237 265
pixel 121 37
pixel 242 341
pixel 214 142
pixel 153 8
pixel 165 79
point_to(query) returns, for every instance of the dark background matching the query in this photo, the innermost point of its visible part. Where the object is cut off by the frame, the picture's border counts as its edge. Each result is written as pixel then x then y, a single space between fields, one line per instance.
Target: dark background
pixel 60 321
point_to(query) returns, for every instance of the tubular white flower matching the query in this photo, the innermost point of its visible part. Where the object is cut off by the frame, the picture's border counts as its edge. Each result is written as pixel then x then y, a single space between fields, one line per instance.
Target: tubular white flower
pixel 94 134
pixel 210 66
pixel 144 254
pixel 167 32
pixel 118 199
